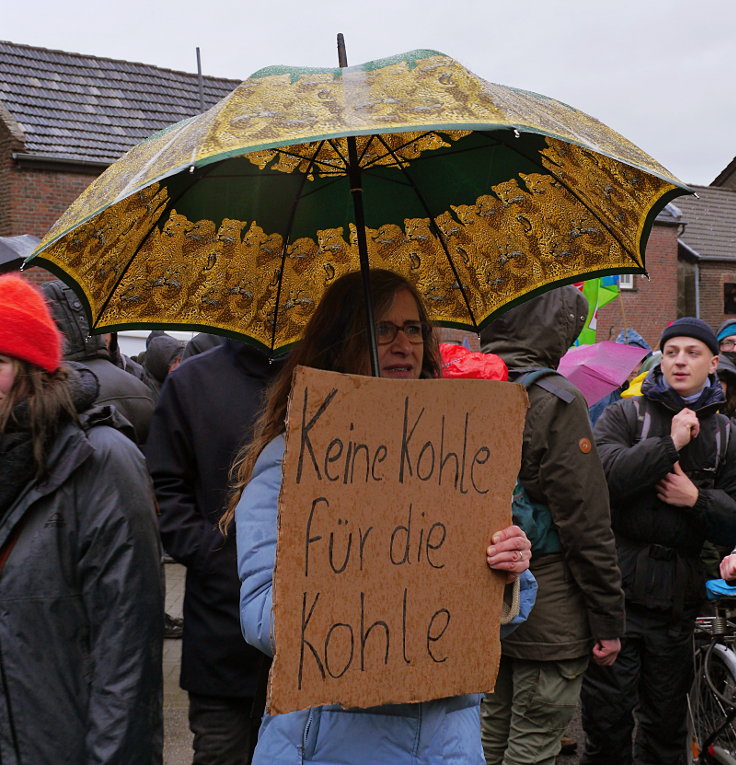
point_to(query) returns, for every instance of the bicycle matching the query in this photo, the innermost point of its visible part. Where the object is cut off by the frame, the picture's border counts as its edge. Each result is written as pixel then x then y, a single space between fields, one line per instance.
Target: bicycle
pixel 712 696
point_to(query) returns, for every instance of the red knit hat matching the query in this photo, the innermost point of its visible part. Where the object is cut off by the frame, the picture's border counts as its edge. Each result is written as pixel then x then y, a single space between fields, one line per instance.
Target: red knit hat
pixel 27 329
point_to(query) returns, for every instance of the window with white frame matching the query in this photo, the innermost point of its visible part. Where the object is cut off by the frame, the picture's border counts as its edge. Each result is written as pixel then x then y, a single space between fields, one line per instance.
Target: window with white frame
pixel 626 281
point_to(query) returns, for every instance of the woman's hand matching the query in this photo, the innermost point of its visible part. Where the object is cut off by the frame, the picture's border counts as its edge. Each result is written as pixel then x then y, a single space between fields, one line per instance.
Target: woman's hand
pixel 509 551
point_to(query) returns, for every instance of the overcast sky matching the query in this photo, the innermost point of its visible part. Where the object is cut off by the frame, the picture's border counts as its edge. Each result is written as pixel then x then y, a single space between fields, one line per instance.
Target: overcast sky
pixel 661 73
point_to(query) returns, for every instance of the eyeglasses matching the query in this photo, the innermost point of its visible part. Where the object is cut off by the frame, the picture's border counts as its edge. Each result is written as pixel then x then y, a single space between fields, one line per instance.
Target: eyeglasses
pixel 728 344
pixel 416 332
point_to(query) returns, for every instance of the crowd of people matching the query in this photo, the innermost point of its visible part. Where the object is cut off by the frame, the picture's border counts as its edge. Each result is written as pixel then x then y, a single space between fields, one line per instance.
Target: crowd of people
pixel 107 461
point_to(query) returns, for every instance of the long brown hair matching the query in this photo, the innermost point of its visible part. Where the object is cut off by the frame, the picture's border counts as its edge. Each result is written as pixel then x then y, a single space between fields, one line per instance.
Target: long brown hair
pixel 49 402
pixel 335 339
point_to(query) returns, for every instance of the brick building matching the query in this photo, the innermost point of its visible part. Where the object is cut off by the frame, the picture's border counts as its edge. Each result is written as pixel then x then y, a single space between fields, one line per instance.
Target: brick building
pixel 64 117
pixel 707 253
pixel 647 303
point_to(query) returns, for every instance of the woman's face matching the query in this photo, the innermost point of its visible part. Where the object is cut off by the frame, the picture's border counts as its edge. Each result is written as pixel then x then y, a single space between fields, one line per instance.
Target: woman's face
pixel 7 375
pixel 400 357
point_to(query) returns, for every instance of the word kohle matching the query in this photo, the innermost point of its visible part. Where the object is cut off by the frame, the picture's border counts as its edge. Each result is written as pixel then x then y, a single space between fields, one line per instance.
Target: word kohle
pixel 392 490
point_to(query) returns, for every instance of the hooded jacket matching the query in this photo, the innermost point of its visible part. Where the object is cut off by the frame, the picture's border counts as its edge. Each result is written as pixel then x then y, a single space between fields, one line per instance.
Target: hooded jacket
pixel 659 544
pixel 205 411
pixel 81 606
pixel 129 395
pixel 580 595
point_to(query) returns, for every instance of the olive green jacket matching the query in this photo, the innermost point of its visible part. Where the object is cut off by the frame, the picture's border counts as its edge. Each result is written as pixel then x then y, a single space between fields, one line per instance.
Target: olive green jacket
pixel 580 597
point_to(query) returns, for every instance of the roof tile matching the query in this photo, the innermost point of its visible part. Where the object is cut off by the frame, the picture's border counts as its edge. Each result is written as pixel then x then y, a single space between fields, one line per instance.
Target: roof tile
pixel 710 221
pixel 94 109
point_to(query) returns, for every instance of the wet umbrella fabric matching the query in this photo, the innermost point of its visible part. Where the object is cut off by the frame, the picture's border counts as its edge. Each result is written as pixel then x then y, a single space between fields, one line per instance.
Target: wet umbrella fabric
pixel 236 221
pixel 14 250
pixel 600 368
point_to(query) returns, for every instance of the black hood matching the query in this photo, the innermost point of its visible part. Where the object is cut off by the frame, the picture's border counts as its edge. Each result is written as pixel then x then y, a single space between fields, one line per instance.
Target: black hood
pixel 258 364
pixel 726 366
pixel 69 316
pixel 161 353
pixel 539 332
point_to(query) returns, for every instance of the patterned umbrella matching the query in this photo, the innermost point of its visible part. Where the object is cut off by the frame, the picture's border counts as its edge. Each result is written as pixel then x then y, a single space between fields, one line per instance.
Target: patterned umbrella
pixel 235 221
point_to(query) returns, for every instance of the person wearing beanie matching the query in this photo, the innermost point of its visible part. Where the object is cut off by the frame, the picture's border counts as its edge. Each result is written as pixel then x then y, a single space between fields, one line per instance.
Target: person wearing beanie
pixel 726 336
pixel 80 581
pixel 689 326
pixel 27 330
pixel 671 471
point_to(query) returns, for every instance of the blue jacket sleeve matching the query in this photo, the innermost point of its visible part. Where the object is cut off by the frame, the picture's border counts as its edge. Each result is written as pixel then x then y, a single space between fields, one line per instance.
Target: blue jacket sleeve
pixel 527 599
pixel 256 527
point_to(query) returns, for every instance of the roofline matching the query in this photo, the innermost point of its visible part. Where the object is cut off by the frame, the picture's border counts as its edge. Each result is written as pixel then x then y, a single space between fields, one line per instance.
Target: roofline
pixel 704 258
pixel 16 131
pixel 62 164
pixel 728 170
pixel 75 54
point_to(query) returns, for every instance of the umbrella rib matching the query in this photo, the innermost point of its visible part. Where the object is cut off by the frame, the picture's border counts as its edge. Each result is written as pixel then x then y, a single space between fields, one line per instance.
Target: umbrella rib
pixel 167 207
pixel 313 161
pixel 440 235
pixel 287 237
pixel 612 231
pixel 393 152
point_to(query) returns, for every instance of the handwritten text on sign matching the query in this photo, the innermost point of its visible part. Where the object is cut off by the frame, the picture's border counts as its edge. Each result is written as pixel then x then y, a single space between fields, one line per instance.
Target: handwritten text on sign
pixel 392 490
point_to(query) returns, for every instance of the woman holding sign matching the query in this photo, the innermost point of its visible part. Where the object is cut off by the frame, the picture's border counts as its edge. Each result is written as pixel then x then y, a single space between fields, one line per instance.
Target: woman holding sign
pixel 335 339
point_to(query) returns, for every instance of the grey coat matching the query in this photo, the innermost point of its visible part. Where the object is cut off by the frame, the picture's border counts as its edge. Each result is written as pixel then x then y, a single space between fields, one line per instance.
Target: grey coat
pixel 81 608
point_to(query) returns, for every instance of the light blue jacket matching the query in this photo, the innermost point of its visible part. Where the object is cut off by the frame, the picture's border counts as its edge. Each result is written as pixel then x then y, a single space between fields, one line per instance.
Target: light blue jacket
pixel 445 731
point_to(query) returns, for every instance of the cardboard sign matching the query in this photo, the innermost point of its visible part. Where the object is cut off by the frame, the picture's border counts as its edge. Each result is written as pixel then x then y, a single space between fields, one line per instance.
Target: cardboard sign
pixel 392 490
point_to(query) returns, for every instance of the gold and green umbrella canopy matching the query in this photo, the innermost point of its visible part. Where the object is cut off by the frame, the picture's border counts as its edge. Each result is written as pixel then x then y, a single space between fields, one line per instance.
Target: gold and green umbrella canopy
pixel 237 220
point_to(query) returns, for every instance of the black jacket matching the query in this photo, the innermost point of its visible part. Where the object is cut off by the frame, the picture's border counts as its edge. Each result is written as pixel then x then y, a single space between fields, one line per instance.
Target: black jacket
pixel 659 544
pixel 81 607
pixel 204 413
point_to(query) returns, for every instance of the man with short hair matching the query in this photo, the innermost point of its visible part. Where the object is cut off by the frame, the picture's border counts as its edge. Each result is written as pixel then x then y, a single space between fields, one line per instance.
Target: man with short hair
pixel 670 462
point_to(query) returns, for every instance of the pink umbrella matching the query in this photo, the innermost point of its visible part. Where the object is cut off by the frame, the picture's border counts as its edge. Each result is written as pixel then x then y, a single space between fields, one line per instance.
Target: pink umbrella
pixel 600 368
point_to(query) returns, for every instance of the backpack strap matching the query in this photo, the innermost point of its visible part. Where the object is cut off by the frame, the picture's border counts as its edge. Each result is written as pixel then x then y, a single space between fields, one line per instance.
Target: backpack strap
pixel 640 420
pixel 723 436
pixel 540 376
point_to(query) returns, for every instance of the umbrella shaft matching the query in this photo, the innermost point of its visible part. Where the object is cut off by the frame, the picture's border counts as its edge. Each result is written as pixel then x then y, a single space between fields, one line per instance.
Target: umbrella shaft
pixel 356 190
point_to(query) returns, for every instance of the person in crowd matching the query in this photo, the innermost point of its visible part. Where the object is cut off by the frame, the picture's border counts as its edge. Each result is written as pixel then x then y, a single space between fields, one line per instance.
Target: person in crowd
pixel 579 613
pixel 726 336
pixel 726 372
pixel 162 355
pixel 335 338
pixel 624 337
pixel 671 472
pixel 128 363
pixel 200 343
pixel 81 593
pixel 205 411
pixel 130 395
